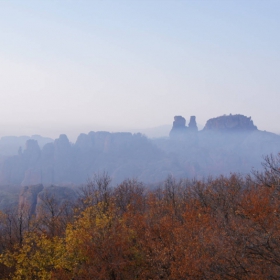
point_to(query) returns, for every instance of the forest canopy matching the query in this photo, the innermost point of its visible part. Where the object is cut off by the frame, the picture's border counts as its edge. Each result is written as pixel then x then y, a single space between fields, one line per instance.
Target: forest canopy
pixel 215 228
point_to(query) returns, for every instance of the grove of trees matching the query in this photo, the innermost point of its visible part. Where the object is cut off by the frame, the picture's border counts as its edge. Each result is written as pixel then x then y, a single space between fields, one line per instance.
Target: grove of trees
pixel 216 228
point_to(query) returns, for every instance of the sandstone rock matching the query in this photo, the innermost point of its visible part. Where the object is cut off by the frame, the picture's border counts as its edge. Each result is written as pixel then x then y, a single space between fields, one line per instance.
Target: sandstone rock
pixel 47 161
pixel 179 126
pixel 14 168
pixel 124 155
pixel 230 123
pixel 33 198
pixel 32 152
pixel 179 122
pixel 32 176
pixel 180 130
pixel 28 198
pixel 64 168
pixel 9 145
pixel 62 144
pixel 48 152
pixel 84 142
pixel 192 124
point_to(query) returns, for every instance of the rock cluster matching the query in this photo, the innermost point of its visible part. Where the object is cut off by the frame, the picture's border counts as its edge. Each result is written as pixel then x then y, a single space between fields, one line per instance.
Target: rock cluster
pixel 187 153
pixel 179 127
pixel 64 163
pixel 10 145
pixel 34 198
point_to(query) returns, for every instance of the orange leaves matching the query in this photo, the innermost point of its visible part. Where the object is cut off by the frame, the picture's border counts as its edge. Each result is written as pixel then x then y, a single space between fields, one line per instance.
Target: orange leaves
pixel 216 229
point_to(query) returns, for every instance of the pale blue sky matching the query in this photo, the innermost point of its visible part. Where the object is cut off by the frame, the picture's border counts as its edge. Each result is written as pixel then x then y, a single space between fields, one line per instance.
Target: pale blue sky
pixel 75 66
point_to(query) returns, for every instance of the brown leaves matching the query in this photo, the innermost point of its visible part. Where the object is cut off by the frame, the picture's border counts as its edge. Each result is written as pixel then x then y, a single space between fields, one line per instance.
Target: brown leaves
pixel 224 228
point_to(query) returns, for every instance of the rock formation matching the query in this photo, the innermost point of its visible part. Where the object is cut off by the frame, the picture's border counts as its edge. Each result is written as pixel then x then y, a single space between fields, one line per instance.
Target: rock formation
pixel 28 198
pixel 9 145
pixel 64 163
pixel 186 153
pixel 230 123
pixel 179 122
pixel 34 198
pixel 192 124
pixel 32 152
pixel 179 128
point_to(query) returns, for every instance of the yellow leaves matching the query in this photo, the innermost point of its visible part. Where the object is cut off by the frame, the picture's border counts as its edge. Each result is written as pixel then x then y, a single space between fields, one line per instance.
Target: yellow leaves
pixel 210 228
pixel 37 258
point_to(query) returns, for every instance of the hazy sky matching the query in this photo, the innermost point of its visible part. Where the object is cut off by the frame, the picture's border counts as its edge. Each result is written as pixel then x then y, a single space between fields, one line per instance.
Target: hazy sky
pixel 76 66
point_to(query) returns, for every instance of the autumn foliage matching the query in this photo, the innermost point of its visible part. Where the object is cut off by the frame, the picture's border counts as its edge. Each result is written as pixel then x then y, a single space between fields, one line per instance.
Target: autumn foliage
pixel 222 228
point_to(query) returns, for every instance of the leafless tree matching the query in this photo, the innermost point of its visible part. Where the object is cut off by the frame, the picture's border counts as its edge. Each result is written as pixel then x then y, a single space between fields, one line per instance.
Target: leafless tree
pixel 270 176
pixel 97 190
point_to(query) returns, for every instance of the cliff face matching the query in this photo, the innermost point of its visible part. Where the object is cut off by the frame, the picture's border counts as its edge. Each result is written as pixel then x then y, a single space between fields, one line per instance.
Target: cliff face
pixel 33 199
pixel 28 198
pixel 230 123
pixel 63 163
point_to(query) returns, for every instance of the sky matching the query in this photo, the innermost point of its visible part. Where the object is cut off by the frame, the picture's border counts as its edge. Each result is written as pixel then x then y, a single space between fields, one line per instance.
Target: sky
pixel 79 66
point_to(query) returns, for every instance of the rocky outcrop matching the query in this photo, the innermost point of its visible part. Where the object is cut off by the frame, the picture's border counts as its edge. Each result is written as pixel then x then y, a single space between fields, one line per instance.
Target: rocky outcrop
pixel 192 124
pixel 32 152
pixel 99 151
pixel 11 145
pixel 28 198
pixel 64 167
pixel 230 123
pixel 13 169
pixel 30 160
pixel 64 163
pixel 32 199
pixel 179 128
pixel 179 122
pixel 186 153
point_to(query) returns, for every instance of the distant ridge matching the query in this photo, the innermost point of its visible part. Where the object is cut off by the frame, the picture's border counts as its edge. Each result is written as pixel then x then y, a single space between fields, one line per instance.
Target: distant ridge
pixel 229 143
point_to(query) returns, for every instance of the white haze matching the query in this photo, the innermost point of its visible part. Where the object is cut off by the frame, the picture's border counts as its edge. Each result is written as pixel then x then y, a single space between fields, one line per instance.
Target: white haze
pixel 77 66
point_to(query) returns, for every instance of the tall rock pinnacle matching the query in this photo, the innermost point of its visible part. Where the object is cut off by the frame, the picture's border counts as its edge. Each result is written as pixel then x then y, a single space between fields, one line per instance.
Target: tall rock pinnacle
pixel 179 126
pixel 192 124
